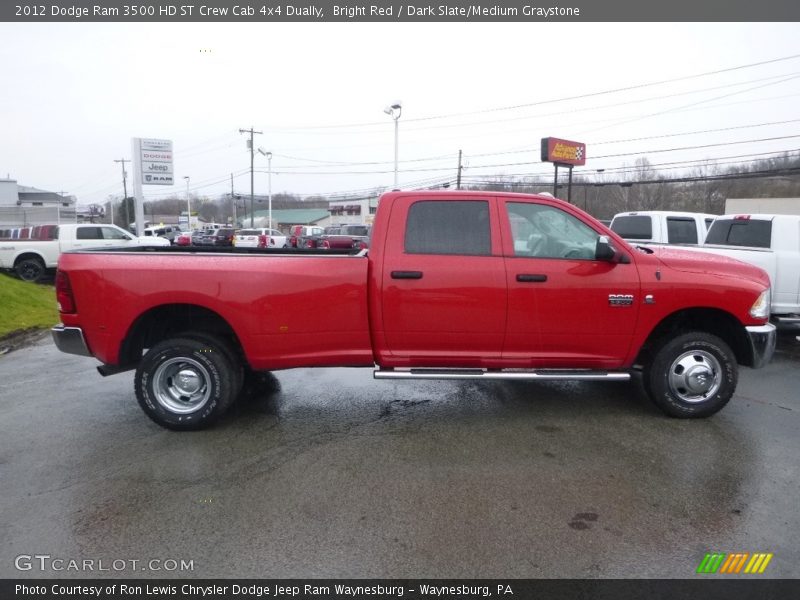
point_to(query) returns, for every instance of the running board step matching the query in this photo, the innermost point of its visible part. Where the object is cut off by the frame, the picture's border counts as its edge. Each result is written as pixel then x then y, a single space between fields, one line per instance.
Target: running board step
pixel 509 374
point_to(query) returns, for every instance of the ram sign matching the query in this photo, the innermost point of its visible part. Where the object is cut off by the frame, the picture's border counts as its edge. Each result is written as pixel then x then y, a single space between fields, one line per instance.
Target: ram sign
pixel 563 152
pixel 153 161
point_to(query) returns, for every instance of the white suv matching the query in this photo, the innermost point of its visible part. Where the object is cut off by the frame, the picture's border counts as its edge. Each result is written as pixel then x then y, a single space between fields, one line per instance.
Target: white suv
pixel 259 238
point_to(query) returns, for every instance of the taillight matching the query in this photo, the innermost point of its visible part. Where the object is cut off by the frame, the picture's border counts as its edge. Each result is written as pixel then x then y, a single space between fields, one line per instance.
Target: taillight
pixel 64 297
pixel 262 241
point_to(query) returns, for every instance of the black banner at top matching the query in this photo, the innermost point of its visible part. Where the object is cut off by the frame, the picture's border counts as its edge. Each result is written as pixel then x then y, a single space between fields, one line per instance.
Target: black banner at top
pixel 530 11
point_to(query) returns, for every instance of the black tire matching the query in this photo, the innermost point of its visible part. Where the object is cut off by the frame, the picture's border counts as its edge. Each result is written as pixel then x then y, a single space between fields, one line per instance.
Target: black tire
pixel 30 269
pixel 258 385
pixel 691 376
pixel 200 398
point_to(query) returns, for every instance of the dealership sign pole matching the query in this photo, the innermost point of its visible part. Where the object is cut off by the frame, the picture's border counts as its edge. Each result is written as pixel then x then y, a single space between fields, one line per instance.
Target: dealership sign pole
pixel 152 165
pixel 563 153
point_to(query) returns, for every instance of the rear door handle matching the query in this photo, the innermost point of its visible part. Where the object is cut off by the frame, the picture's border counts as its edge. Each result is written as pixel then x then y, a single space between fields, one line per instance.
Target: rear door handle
pixel 406 274
pixel 531 278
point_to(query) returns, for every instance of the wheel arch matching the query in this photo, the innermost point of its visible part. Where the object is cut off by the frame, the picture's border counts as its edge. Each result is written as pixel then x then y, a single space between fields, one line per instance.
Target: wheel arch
pixel 170 320
pixel 708 320
pixel 29 254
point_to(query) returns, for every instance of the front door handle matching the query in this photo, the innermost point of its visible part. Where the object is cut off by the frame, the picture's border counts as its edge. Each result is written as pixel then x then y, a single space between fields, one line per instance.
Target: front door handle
pixel 406 274
pixel 531 278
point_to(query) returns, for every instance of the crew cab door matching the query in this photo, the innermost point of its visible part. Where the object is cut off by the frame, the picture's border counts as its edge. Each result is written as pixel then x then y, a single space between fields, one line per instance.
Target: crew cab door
pixel 443 284
pixel 97 236
pixel 564 306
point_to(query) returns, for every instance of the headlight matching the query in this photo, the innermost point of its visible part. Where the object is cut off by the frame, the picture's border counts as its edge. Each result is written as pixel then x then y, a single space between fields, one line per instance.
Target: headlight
pixel 760 308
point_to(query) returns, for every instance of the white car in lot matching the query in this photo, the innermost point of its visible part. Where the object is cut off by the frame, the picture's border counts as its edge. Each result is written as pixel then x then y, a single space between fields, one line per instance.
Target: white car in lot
pixel 259 238
pixel 30 258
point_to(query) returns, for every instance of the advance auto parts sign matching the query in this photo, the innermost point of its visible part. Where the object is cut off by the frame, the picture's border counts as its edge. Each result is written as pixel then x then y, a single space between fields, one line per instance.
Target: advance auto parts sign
pixel 563 152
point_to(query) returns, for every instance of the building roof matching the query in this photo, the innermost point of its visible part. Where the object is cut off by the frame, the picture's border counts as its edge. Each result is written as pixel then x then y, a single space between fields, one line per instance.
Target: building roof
pixel 294 216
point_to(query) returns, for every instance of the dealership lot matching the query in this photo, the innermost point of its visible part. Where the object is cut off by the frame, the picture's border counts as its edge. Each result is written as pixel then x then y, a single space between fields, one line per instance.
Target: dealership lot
pixel 337 475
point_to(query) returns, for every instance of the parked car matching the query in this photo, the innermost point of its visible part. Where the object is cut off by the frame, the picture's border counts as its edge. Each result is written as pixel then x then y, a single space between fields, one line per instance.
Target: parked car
pixel 169 232
pixel 184 239
pixel 348 236
pixel 196 236
pixel 216 237
pixel 299 233
pixel 260 238
pixel 771 242
pixel 31 258
pixel 360 235
pixel 662 226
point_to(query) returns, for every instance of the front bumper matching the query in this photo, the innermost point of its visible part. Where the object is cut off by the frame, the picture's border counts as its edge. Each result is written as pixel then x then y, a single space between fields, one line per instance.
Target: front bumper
pixel 70 340
pixel 762 343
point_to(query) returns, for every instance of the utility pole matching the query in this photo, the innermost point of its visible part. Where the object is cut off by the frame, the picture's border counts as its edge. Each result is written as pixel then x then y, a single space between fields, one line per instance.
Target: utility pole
pixel 233 201
pixel 125 188
pixel 252 150
pixel 458 179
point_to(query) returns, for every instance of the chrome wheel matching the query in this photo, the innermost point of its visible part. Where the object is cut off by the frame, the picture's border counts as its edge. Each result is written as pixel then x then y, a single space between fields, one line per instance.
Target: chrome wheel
pixel 181 385
pixel 695 376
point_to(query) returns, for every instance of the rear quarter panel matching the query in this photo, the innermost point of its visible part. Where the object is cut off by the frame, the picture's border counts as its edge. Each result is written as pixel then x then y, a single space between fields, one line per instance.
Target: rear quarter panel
pixel 271 302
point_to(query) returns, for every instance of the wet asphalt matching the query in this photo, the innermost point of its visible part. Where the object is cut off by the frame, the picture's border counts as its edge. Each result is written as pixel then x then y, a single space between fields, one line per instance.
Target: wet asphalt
pixel 337 475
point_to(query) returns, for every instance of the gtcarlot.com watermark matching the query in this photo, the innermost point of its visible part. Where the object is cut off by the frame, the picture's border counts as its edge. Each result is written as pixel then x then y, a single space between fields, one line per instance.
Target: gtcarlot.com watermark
pixel 56 564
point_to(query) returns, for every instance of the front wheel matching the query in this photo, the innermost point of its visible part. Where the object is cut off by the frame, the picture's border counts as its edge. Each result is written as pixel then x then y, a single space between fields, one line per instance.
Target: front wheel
pixel 185 383
pixel 693 375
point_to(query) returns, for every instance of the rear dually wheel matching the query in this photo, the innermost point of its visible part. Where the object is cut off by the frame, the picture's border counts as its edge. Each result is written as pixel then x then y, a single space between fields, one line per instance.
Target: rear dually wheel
pixel 185 384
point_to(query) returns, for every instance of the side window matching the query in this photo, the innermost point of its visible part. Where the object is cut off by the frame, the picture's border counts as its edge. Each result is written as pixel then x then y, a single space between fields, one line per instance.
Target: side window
pixel 542 231
pixel 681 230
pixel 441 227
pixel 633 227
pixel 89 233
pixel 109 233
pixel 755 233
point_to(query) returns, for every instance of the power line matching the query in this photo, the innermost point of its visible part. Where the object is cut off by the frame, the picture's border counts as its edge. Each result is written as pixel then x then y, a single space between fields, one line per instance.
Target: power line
pixel 550 101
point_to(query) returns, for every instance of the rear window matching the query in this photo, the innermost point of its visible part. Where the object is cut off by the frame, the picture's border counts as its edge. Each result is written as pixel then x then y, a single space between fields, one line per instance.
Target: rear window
pixel 754 233
pixel 638 227
pixel 436 227
pixel 681 230
pixel 249 232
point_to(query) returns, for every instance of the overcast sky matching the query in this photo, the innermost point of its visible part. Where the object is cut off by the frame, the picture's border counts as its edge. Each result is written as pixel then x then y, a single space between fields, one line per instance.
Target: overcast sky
pixel 74 94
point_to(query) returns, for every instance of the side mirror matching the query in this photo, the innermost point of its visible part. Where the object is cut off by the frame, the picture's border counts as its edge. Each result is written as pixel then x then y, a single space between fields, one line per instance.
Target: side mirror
pixel 606 252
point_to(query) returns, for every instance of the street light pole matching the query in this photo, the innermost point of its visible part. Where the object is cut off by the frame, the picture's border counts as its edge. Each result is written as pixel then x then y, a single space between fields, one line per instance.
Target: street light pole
pixel 269 184
pixel 394 111
pixel 188 206
pixel 269 188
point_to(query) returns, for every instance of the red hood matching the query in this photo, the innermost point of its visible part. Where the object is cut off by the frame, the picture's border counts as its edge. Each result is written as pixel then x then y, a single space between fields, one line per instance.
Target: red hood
pixel 691 261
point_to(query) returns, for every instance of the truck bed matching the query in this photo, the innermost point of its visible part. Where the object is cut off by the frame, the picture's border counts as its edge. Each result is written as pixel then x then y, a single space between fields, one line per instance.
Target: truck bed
pixel 288 308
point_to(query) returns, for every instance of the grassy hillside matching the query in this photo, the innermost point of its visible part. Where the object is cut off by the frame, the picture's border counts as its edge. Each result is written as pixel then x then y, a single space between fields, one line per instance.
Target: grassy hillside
pixel 25 305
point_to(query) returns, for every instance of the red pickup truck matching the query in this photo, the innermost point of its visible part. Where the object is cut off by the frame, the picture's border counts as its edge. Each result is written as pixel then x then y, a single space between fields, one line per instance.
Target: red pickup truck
pixel 455 285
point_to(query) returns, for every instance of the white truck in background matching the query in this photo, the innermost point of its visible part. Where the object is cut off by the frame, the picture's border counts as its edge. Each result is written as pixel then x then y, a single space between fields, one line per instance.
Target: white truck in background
pixel 771 242
pixel 662 227
pixel 31 258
